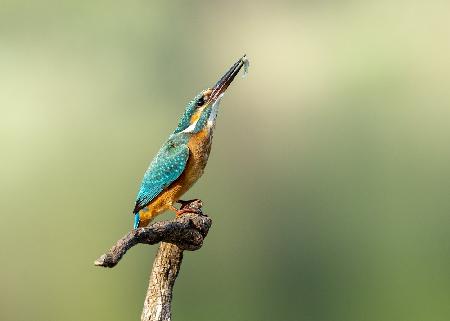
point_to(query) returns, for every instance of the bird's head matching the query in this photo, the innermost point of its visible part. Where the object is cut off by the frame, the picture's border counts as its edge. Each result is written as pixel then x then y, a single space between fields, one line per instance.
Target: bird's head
pixel 204 106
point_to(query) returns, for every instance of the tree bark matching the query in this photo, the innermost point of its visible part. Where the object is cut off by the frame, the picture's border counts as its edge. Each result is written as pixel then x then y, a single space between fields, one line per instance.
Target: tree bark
pixel 157 304
pixel 186 232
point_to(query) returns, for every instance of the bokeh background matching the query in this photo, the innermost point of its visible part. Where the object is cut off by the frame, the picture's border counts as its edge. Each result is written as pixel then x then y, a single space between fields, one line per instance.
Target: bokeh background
pixel 328 183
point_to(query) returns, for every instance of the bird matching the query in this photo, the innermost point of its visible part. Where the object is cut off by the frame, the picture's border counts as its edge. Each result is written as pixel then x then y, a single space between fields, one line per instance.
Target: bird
pixel 182 159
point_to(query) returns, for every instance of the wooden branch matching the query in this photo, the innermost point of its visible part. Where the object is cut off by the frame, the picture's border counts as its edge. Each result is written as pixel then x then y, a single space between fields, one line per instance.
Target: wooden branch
pixel 185 232
pixel 158 301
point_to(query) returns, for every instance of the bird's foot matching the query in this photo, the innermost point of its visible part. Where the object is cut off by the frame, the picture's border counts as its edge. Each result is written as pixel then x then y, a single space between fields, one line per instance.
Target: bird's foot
pixel 191 206
pixel 188 210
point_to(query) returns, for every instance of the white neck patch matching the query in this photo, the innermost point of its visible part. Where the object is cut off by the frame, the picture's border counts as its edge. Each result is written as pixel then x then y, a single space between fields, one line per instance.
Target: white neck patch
pixel 191 128
pixel 211 119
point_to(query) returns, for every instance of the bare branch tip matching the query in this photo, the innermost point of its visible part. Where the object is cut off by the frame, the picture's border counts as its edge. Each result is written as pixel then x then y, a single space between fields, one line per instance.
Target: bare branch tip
pixel 100 261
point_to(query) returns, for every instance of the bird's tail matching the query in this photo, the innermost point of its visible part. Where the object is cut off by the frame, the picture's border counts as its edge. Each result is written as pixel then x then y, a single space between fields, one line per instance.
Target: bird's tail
pixel 137 220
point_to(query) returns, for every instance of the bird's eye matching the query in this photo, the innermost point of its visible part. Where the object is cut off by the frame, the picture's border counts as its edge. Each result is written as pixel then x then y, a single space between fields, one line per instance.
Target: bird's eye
pixel 201 101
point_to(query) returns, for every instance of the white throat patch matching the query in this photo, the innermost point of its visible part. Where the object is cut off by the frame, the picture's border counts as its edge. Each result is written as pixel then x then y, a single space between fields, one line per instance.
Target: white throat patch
pixel 215 109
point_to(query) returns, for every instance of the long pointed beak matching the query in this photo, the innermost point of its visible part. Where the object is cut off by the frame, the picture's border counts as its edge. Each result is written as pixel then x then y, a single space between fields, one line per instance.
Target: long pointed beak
pixel 223 83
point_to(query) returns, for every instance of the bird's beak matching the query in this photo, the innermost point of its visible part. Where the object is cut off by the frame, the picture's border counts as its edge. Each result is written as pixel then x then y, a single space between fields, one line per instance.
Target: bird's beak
pixel 223 83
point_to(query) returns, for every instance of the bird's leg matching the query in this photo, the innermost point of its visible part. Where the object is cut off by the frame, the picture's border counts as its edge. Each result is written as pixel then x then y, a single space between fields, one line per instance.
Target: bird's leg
pixel 191 206
pixel 173 208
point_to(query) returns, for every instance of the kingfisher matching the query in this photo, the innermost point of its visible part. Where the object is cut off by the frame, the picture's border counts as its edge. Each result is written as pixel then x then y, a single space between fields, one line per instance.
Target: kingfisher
pixel 182 159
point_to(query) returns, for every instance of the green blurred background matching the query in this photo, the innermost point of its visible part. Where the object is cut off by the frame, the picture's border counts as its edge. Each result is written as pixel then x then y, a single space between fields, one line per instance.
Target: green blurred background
pixel 328 183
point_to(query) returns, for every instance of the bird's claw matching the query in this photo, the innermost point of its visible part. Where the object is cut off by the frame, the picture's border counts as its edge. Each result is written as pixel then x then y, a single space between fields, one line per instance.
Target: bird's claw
pixel 189 210
pixel 190 206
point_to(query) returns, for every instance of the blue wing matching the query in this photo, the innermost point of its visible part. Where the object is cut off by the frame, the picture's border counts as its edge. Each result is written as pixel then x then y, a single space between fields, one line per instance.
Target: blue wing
pixel 165 168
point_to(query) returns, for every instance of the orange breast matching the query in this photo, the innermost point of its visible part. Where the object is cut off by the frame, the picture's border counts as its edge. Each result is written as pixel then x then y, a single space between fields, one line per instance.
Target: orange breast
pixel 199 149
